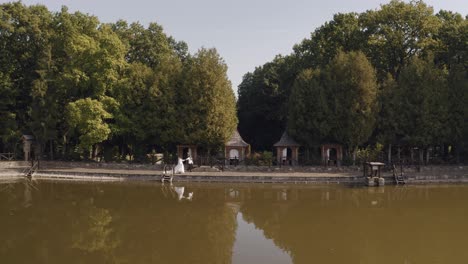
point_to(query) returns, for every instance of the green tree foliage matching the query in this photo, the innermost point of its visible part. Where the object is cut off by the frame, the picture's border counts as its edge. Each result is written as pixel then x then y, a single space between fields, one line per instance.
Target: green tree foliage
pixel 8 129
pixel 341 33
pixel 88 117
pixel 397 32
pixel 205 103
pixel 337 104
pixel 458 110
pixel 452 39
pixel 352 91
pixel 323 98
pixel 146 91
pixel 452 52
pixel 72 81
pixel 86 59
pixel 309 113
pixel 155 94
pixel 262 104
pixel 423 103
pixel 387 129
pixel 24 38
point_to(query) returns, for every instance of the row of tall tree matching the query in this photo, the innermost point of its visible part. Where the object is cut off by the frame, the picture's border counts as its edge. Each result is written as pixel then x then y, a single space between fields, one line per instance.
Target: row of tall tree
pixel 80 86
pixel 397 75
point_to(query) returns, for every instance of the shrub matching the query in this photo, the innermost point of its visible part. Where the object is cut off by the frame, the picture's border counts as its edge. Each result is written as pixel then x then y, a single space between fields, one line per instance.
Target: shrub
pixel 266 158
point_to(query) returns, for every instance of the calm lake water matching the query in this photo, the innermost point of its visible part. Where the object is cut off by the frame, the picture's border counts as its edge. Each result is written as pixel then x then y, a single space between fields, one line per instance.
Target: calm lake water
pixel 71 222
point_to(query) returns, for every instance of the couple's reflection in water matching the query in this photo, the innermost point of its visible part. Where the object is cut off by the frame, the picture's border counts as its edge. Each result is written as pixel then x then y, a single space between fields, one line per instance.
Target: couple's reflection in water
pixel 177 192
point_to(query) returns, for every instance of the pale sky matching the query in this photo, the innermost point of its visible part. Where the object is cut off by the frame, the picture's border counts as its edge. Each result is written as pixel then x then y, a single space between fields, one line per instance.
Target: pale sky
pixel 247 33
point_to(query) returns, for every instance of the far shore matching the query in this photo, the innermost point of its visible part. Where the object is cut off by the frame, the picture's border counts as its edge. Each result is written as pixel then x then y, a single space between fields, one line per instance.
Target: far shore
pixel 255 174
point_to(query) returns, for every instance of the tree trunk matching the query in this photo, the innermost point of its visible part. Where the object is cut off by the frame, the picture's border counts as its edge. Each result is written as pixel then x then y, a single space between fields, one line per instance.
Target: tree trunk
pixel 354 156
pixel 96 152
pixel 399 154
pixel 411 155
pixel 121 151
pixel 427 156
pixel 421 156
pixel 51 146
pixel 90 151
pixel 389 153
pixel 64 149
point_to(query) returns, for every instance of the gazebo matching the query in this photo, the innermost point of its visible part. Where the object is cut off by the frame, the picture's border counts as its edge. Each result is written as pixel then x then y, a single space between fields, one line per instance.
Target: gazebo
pixel 183 151
pixel 287 150
pixel 332 154
pixel 28 141
pixel 236 149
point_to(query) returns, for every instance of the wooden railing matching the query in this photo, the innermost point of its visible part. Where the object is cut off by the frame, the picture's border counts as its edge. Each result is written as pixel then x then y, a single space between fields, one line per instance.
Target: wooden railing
pixel 399 177
pixel 211 161
pixel 29 171
pixel 7 156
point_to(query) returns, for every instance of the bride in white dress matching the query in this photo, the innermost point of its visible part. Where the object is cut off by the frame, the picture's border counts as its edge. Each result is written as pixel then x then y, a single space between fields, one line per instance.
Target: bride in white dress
pixel 179 168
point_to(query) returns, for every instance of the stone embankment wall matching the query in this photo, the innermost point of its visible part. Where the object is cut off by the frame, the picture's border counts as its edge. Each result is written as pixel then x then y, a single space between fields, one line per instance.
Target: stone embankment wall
pixel 98 165
pixel 438 174
pixel 12 168
pixel 357 170
pixel 283 169
pixel 312 174
pixel 438 170
pixel 14 164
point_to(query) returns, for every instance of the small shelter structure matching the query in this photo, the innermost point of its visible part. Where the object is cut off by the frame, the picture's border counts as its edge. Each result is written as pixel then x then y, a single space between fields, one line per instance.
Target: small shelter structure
pixel 372 169
pixel 287 150
pixel 28 141
pixel 372 174
pixel 236 149
pixel 183 151
pixel 332 154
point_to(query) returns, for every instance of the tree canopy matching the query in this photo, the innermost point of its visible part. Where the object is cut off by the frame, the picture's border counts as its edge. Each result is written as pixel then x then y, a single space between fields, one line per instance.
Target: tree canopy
pixel 394 75
pixel 78 85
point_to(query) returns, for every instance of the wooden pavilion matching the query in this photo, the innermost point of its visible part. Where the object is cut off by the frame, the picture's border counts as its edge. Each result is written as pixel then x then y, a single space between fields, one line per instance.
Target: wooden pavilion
pixel 28 143
pixel 183 151
pixel 287 150
pixel 236 149
pixel 332 154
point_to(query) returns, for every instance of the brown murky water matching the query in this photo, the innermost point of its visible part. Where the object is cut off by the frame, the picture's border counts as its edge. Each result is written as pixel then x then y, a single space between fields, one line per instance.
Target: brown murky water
pixel 69 222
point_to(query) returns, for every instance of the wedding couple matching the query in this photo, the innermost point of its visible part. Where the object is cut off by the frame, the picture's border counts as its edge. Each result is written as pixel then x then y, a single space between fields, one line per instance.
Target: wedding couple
pixel 179 168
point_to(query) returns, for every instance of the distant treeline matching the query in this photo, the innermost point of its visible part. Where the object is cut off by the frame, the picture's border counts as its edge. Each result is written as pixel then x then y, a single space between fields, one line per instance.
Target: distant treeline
pixel 393 76
pixel 82 87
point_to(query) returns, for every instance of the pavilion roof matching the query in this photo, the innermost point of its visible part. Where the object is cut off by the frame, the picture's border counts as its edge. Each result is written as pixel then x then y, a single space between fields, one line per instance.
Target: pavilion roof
pixel 286 141
pixel 236 140
pixel 28 137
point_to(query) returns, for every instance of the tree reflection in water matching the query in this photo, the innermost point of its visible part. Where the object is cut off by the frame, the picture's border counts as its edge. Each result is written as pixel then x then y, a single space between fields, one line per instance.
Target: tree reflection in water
pixel 57 222
pixel 114 223
pixel 360 225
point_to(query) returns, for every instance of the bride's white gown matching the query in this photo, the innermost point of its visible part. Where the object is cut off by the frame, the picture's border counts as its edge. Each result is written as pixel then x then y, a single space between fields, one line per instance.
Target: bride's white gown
pixel 179 168
pixel 180 192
